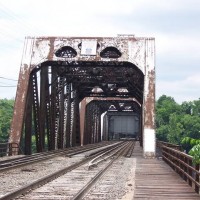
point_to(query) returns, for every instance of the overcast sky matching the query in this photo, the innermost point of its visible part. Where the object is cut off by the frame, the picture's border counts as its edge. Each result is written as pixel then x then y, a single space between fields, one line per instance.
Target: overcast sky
pixel 175 24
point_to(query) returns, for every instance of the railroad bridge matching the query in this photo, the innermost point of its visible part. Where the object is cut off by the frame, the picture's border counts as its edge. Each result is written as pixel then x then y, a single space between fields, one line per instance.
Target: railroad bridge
pixel 84 92
pixel 71 90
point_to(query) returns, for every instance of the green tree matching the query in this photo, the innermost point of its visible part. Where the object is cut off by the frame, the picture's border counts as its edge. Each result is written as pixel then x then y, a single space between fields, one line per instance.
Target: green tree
pixel 179 124
pixel 188 143
pixel 176 129
pixel 6 112
pixel 165 106
pixel 195 153
pixel 191 124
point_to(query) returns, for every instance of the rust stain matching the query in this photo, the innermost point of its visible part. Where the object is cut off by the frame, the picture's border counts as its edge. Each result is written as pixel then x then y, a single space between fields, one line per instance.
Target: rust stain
pixel 20 100
pixel 51 50
pixel 150 102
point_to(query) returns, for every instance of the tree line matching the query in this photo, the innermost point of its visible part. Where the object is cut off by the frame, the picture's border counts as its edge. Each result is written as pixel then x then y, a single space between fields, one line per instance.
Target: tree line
pixel 179 124
pixel 175 123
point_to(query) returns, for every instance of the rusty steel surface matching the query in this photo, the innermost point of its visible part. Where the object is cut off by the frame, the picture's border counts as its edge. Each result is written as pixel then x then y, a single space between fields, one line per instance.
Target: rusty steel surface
pixel 59 73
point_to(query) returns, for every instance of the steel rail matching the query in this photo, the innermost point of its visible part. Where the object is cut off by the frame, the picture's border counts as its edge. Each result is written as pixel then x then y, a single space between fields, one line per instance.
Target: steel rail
pixel 47 178
pixel 25 157
pixel 14 165
pixel 97 160
pixel 123 150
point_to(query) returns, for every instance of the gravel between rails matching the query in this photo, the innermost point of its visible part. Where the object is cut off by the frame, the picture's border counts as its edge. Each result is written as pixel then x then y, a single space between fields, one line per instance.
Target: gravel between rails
pixel 66 186
pixel 16 178
pixel 117 183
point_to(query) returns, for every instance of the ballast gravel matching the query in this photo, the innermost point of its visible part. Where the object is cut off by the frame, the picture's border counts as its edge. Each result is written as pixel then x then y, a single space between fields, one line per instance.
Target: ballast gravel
pixel 16 178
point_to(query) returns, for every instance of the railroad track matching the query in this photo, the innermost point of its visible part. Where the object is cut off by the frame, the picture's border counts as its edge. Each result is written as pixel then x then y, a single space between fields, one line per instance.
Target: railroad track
pixel 9 164
pixel 76 179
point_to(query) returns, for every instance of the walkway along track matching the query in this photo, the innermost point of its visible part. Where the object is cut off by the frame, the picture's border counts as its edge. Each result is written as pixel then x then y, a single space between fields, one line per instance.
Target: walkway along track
pixel 59 173
pixel 27 160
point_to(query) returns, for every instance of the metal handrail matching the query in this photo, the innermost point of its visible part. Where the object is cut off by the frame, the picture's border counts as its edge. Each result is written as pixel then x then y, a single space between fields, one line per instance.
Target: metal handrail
pixel 174 146
pixel 182 163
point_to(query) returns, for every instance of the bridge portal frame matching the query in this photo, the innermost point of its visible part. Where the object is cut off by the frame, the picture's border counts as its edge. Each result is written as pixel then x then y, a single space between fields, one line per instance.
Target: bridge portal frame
pixel 139 51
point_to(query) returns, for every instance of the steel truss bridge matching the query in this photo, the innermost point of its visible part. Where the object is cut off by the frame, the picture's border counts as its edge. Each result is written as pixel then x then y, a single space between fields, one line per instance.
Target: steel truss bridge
pixel 67 83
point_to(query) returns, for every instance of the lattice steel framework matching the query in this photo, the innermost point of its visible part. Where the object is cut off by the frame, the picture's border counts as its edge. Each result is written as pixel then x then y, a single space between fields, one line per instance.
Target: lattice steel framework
pixel 58 74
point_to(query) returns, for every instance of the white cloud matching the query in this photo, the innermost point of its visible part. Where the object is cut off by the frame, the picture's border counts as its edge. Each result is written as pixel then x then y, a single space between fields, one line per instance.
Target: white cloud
pixel 183 90
pixel 173 23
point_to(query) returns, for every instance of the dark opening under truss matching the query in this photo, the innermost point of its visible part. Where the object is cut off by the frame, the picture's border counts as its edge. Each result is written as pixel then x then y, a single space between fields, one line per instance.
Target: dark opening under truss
pixel 56 89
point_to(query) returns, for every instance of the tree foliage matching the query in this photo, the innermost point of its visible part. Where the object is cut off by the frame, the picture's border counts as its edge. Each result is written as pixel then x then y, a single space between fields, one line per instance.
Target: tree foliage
pixel 195 153
pixel 179 124
pixel 6 112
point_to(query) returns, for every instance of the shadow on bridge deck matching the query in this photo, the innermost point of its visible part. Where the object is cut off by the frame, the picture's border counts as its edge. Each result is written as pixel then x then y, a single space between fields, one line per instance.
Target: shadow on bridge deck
pixel 154 179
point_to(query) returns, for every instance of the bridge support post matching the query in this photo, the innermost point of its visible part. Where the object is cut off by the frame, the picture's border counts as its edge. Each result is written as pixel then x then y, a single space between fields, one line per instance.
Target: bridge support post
pixel 149 139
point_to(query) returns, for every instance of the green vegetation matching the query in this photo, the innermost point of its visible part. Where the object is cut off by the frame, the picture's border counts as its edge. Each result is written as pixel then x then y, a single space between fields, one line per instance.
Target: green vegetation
pixel 179 124
pixel 6 112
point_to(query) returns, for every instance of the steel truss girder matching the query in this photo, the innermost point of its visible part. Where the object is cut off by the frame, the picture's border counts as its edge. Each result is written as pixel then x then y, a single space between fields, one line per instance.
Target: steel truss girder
pixel 86 76
pixel 56 101
pixel 94 110
pixel 55 111
pixel 92 132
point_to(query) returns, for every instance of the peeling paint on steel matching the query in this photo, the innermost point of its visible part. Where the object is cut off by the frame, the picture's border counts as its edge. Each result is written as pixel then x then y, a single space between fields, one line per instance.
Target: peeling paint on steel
pixel 139 51
pixel 19 107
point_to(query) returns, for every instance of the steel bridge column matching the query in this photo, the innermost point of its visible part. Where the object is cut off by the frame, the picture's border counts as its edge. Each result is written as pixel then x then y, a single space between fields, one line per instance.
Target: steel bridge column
pixel 48 115
pixel 36 110
pixel 75 120
pixel 28 120
pixel 93 123
pixel 87 125
pixel 149 142
pixel 68 115
pixel 53 107
pixel 43 109
pixel 19 106
pixel 99 126
pixel 105 127
pixel 82 120
pixel 60 135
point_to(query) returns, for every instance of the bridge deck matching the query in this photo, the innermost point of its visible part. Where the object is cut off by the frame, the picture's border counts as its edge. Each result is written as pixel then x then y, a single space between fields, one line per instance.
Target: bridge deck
pixel 154 179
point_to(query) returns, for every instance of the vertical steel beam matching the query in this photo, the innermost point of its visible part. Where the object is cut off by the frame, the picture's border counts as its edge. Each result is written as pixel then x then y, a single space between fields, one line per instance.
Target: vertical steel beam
pixel 61 113
pixel 43 103
pixel 53 106
pixel 149 139
pixel 68 117
pixel 99 126
pixel 76 120
pixel 19 106
pixel 36 110
pixel 28 120
pixel 93 123
pixel 86 126
pixel 105 127
pixel 48 113
pixel 82 119
pixel 89 123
